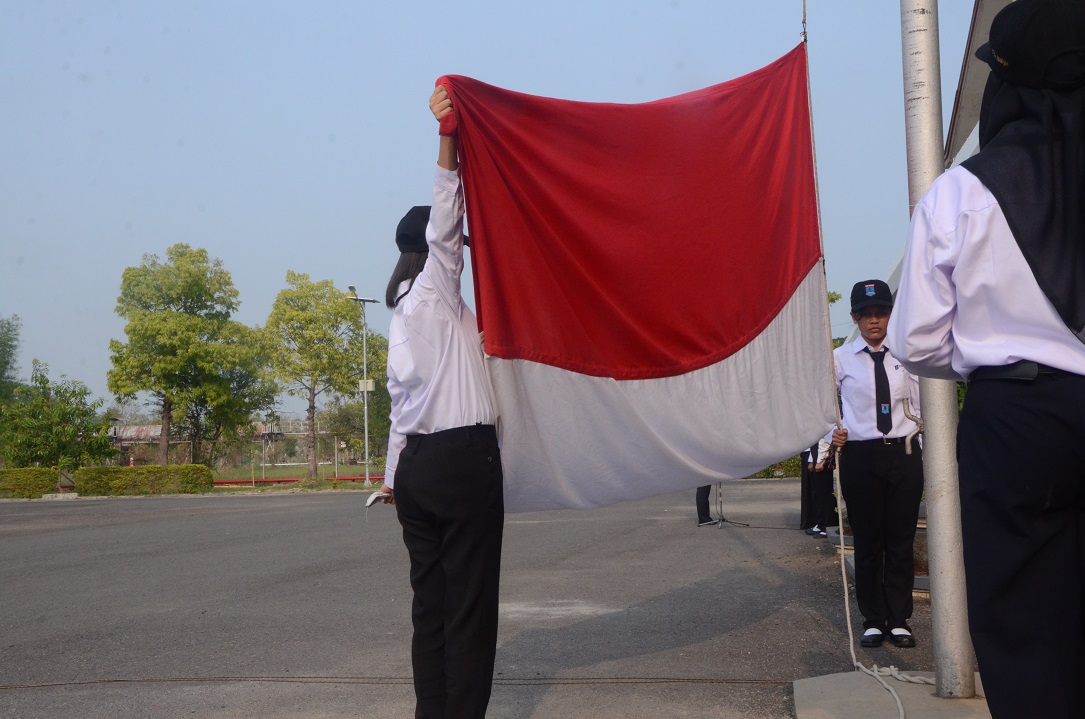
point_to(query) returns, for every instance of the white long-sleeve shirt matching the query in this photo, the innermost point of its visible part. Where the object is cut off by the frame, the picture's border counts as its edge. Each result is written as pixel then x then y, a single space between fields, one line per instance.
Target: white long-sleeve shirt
pixel 967 297
pixel 822 453
pixel 436 373
pixel 855 382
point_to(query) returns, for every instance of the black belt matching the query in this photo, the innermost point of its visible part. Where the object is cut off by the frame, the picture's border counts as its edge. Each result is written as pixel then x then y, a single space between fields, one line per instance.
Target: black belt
pixel 880 440
pixel 1024 371
pixel 463 436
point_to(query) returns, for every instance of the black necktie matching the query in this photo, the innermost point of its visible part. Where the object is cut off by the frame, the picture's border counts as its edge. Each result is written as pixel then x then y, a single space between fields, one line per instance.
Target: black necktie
pixel 881 391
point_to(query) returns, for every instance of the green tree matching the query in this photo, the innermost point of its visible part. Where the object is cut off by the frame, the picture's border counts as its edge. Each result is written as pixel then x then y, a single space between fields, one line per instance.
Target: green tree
pixel 9 352
pixel 317 331
pixel 181 342
pixel 835 297
pixel 53 424
pixel 220 410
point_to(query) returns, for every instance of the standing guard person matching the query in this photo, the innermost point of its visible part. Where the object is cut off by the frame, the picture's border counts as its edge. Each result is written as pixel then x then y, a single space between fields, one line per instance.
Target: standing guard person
pixel 993 291
pixel 881 481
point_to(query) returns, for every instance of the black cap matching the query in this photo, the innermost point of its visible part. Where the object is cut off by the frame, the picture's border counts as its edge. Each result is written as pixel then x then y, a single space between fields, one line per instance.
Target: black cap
pixel 411 232
pixel 1038 43
pixel 870 293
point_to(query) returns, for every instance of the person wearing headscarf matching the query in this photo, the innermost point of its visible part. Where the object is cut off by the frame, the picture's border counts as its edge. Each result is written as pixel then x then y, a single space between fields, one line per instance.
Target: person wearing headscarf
pixel 993 291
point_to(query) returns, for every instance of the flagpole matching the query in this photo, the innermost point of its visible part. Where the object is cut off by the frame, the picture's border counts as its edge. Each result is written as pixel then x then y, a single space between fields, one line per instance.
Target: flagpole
pixel 817 199
pixel 953 655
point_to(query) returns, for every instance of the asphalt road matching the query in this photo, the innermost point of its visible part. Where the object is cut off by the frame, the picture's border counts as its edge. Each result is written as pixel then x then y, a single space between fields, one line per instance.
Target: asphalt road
pixel 298 606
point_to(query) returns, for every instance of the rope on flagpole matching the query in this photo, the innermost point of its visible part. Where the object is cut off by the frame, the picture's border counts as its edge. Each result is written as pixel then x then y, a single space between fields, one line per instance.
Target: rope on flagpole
pixel 831 363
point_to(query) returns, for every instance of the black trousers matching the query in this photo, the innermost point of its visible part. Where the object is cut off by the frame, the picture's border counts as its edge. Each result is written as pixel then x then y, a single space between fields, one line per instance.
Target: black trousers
pixel 1021 454
pixel 806 498
pixel 703 514
pixel 822 501
pixel 450 502
pixel 882 487
pixel 817 505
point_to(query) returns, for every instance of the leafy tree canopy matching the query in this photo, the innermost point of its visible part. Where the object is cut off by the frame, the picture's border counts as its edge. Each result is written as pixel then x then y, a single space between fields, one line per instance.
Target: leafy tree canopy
pixel 175 311
pixel 9 352
pixel 183 348
pixel 318 335
pixel 53 424
pixel 236 387
pixel 188 282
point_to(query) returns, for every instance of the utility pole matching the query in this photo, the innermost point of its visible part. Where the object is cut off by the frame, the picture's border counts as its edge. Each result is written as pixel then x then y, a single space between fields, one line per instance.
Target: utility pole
pixel 953 653
pixel 362 301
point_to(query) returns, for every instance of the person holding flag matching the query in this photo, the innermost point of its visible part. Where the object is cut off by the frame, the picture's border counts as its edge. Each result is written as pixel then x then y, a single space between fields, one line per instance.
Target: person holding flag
pixel 444 466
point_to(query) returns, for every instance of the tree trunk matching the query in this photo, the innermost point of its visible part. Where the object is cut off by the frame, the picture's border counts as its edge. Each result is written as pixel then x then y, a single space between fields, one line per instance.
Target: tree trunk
pixel 310 439
pixel 194 441
pixel 164 437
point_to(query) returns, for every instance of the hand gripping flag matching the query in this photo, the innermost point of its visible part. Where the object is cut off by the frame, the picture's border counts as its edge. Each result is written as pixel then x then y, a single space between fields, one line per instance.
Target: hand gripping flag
pixel 650 282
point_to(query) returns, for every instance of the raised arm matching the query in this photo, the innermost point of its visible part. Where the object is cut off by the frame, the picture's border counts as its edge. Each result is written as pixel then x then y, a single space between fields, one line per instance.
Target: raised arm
pixel 441 104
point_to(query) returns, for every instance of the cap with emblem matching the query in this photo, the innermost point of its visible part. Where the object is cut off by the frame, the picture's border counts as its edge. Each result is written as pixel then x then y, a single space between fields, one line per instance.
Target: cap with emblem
pixel 870 293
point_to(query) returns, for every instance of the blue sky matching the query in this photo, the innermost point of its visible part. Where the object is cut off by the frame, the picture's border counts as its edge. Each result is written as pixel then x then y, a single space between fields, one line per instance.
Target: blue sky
pixel 293 136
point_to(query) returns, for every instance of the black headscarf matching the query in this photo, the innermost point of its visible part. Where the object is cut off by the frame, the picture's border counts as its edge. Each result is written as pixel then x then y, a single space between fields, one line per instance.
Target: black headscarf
pixel 1032 159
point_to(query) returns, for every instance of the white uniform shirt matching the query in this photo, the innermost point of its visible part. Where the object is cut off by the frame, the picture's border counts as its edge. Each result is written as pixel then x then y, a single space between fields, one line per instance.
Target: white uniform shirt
pixel 436 373
pixel 823 453
pixel 967 297
pixel 855 382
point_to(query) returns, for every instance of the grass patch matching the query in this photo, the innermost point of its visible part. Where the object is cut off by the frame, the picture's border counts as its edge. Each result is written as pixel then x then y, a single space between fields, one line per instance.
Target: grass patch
pixel 297 471
pixel 321 485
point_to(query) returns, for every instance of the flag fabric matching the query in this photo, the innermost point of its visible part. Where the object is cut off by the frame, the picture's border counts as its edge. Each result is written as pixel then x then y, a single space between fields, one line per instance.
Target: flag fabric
pixel 650 283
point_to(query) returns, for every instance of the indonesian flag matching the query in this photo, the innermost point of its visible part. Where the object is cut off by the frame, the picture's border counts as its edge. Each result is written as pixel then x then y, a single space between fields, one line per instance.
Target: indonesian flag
pixel 650 282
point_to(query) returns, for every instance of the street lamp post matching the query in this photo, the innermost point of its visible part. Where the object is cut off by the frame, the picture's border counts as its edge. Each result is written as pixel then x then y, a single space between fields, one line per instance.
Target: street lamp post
pixel 365 372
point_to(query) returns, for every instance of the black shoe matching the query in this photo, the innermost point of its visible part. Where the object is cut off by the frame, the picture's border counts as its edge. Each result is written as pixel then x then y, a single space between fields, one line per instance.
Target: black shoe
pixel 902 640
pixel 814 531
pixel 872 640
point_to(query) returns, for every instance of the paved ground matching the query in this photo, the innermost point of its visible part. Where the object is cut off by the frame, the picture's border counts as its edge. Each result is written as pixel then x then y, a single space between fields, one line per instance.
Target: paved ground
pixel 297 606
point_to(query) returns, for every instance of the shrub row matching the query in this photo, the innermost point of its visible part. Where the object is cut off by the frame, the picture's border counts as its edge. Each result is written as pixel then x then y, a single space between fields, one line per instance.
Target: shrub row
pixel 790 467
pixel 151 479
pixel 29 483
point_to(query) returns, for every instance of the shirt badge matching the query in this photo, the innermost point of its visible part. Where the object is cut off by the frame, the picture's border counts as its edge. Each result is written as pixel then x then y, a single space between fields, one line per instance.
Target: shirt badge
pixel 885 409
